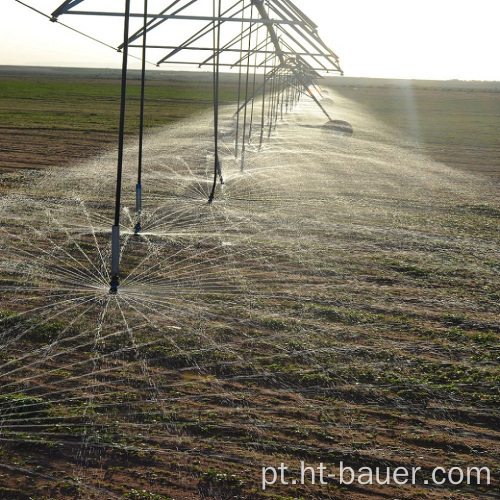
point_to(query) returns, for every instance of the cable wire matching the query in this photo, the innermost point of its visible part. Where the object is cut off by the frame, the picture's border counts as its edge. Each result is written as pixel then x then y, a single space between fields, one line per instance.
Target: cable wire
pixel 54 20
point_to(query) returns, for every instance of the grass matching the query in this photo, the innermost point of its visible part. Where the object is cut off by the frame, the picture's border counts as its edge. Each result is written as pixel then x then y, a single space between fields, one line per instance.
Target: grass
pixel 66 118
pixel 48 104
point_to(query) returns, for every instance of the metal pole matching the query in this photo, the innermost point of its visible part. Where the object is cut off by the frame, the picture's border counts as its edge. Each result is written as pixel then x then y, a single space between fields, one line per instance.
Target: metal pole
pixel 283 89
pixel 138 187
pixel 115 232
pixel 270 114
pixel 239 96
pixel 253 88
pixel 263 99
pixel 243 143
pixel 216 74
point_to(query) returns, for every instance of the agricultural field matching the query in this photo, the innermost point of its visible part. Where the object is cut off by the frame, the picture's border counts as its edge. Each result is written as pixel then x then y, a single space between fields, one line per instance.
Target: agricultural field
pixel 454 122
pixel 337 303
pixel 55 119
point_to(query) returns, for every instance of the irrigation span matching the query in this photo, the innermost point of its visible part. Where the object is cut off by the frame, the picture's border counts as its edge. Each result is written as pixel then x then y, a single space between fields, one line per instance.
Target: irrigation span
pixel 282 289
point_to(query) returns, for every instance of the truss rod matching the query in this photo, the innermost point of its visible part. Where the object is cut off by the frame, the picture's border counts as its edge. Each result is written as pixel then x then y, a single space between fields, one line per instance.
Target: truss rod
pixel 68 4
pixel 149 24
pixel 314 56
pixel 188 18
pixel 199 34
pixel 288 52
pixel 298 13
pixel 234 41
pixel 229 65
pixel 256 50
pixel 312 38
pixel 309 32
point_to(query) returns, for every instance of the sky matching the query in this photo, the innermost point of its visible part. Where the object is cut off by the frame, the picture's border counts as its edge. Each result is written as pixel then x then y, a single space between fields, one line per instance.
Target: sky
pixel 420 39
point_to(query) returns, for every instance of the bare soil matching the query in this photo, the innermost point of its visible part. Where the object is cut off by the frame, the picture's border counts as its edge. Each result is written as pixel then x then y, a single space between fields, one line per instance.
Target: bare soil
pixel 365 337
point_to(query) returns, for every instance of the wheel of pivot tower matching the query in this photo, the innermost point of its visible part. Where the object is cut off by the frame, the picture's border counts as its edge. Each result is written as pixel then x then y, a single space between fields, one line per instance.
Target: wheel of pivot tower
pixel 340 127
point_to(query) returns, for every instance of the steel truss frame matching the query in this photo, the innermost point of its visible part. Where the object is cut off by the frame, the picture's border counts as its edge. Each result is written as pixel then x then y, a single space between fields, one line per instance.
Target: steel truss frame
pixel 272 40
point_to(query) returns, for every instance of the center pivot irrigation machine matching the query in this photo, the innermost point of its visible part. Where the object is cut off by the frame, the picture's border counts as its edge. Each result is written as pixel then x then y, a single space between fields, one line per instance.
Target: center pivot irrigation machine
pixel 273 44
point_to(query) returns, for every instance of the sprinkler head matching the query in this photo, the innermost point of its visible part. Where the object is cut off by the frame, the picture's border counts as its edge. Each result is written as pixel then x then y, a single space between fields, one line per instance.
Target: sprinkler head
pixel 114 285
pixel 339 126
pixel 137 228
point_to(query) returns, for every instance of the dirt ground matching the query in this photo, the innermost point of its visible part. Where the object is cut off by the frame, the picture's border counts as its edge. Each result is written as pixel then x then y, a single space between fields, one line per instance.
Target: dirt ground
pixel 349 326
pixel 453 122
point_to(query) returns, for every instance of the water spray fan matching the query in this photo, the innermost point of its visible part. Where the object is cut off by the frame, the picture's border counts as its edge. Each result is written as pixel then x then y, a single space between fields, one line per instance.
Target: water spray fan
pixel 271 42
